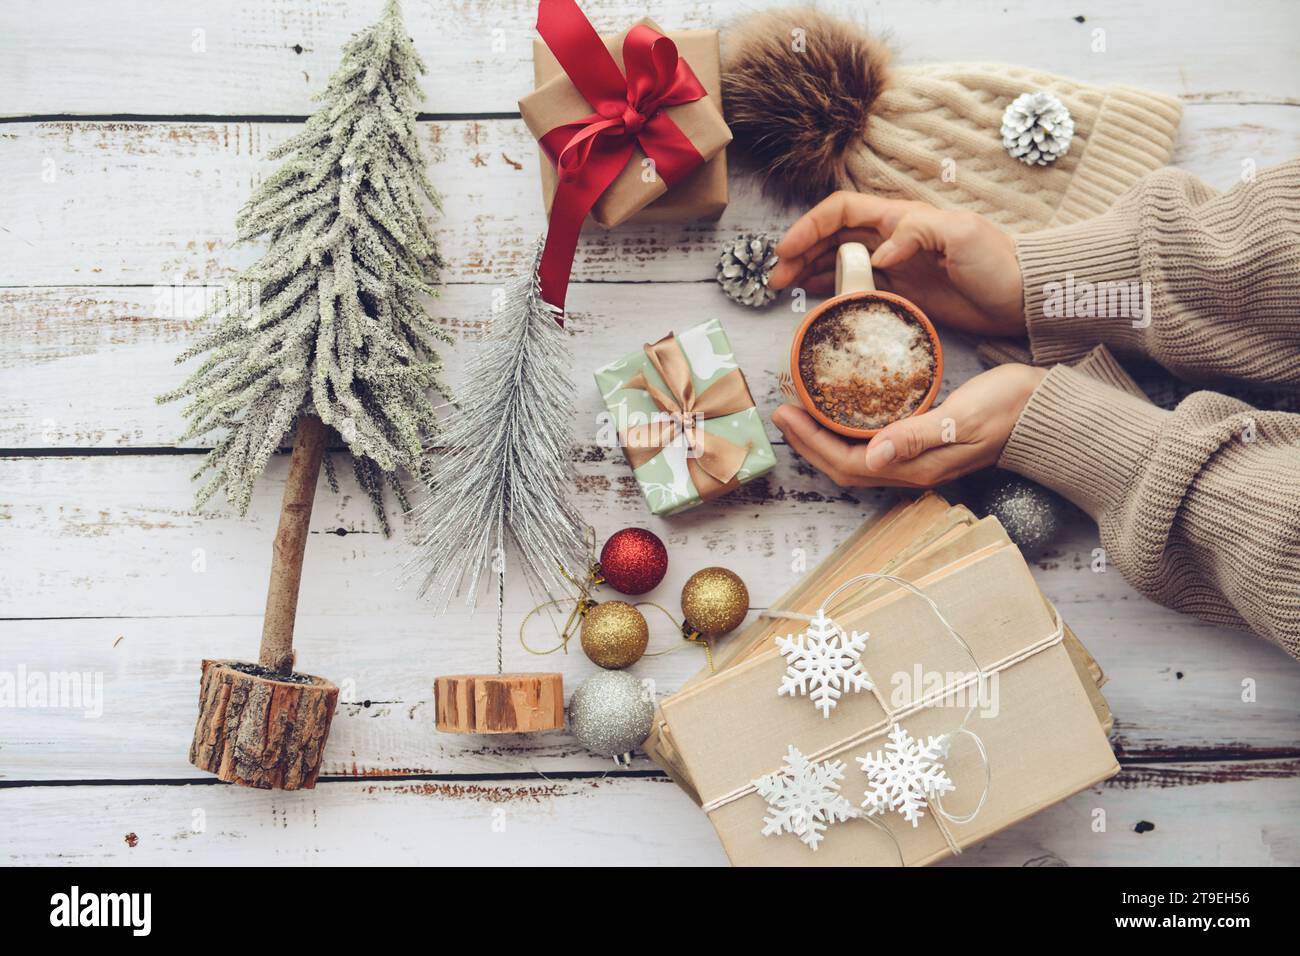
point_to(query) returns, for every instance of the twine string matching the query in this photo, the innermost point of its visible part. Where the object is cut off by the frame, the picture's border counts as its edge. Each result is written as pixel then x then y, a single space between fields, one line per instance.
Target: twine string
pixel 580 608
pixel 859 814
pixel 582 603
pixel 689 635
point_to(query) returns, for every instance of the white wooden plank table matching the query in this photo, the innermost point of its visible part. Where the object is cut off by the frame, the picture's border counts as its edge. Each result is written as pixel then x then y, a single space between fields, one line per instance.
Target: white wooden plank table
pixel 130 134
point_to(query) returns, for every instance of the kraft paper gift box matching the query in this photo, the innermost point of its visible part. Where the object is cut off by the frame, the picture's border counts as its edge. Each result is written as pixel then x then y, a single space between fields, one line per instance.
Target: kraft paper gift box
pixel 629 198
pixel 912 538
pixel 1042 736
pixel 671 477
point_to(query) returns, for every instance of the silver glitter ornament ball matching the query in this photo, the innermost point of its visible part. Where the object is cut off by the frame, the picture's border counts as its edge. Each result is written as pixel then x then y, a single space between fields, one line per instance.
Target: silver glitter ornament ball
pixel 744 266
pixel 611 713
pixel 1032 515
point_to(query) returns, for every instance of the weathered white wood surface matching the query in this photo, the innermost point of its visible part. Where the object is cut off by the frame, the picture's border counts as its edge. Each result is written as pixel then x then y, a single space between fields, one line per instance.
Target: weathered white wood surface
pixel 187 180
pixel 113 221
pixel 250 57
pixel 385 724
pixel 597 822
pixel 90 335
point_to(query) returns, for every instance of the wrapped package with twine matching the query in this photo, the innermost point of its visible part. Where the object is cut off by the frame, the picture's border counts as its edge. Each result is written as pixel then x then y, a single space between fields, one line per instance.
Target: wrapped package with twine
pixel 1041 720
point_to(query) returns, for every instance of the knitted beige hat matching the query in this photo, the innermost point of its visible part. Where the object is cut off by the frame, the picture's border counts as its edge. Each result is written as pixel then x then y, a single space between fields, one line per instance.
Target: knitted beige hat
pixel 813 102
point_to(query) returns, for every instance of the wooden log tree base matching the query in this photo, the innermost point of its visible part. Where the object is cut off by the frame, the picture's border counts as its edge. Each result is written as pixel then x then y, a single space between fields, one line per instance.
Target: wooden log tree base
pixel 262 731
pixel 499 703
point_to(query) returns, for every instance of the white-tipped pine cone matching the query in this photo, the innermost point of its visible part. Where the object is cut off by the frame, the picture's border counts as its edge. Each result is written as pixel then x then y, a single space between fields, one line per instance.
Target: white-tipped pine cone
pixel 1037 128
pixel 744 267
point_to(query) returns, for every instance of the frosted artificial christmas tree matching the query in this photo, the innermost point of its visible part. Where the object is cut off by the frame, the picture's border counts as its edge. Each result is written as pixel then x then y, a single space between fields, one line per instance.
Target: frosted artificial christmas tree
pixel 326 332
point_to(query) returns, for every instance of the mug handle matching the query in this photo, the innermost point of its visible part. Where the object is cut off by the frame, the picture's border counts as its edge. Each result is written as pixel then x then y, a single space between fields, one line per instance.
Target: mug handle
pixel 853 269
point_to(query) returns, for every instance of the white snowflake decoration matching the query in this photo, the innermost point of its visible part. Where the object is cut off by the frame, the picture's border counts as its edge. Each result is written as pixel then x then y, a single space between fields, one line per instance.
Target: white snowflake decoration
pixel 906 775
pixel 804 797
pixel 823 662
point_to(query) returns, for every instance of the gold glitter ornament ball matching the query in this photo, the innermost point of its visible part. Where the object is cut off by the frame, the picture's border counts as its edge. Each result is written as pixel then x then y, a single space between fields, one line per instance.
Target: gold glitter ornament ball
pixel 614 634
pixel 714 601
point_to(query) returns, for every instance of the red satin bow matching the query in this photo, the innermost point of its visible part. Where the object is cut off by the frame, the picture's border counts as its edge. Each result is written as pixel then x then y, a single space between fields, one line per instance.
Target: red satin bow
pixel 590 152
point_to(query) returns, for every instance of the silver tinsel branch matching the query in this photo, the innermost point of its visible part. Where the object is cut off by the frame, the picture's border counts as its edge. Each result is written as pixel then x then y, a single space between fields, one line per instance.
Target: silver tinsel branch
pixel 504 470
pixel 330 321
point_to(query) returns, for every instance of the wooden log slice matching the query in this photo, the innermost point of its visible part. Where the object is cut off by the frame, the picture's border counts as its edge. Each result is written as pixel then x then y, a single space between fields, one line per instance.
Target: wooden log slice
pixel 258 729
pixel 499 703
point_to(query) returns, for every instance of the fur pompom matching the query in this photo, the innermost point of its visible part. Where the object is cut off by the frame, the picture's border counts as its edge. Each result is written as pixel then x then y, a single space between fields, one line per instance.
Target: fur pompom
pixel 797 89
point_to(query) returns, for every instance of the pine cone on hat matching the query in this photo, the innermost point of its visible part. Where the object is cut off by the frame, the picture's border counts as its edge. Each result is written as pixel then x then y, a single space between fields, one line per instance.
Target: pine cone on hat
pixel 1037 128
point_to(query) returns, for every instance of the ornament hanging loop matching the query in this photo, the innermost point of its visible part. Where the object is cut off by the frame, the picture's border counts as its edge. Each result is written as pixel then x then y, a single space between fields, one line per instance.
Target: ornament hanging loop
pixel 568 632
pixel 582 603
pixel 865 817
pixel 688 633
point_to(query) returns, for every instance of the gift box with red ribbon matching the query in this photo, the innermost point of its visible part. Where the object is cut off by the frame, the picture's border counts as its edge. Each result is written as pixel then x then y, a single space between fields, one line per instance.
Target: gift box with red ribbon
pixel 630 128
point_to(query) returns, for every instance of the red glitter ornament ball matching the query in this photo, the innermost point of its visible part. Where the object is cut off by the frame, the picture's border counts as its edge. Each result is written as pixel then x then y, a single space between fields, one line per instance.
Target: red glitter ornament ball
pixel 633 561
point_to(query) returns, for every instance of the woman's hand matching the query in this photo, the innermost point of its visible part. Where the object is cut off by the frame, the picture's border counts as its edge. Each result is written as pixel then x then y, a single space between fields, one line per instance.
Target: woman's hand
pixel 957 266
pixel 964 434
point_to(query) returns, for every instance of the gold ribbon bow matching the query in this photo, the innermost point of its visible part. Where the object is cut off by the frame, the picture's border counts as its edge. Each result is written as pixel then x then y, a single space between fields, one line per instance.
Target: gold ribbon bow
pixel 711 460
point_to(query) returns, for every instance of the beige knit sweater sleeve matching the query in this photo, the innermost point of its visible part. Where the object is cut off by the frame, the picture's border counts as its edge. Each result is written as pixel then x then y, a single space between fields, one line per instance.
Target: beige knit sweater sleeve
pixel 1207 284
pixel 1199 507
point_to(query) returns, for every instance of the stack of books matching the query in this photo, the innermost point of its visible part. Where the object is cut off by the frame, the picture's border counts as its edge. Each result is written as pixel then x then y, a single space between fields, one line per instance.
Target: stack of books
pixel 1013 675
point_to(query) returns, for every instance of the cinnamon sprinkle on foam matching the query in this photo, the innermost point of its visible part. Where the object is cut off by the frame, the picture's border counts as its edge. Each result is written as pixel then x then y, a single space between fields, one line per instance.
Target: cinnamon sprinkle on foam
pixel 866 364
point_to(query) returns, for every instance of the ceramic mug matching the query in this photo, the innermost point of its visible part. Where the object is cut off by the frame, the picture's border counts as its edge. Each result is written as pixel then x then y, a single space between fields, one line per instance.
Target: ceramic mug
pixel 854 283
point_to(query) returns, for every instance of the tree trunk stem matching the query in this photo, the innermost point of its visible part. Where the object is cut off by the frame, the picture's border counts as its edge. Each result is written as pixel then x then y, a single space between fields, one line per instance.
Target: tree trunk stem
pixel 290 542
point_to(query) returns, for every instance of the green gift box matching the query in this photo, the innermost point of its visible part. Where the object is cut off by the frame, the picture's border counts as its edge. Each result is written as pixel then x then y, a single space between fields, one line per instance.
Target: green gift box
pixel 685 418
